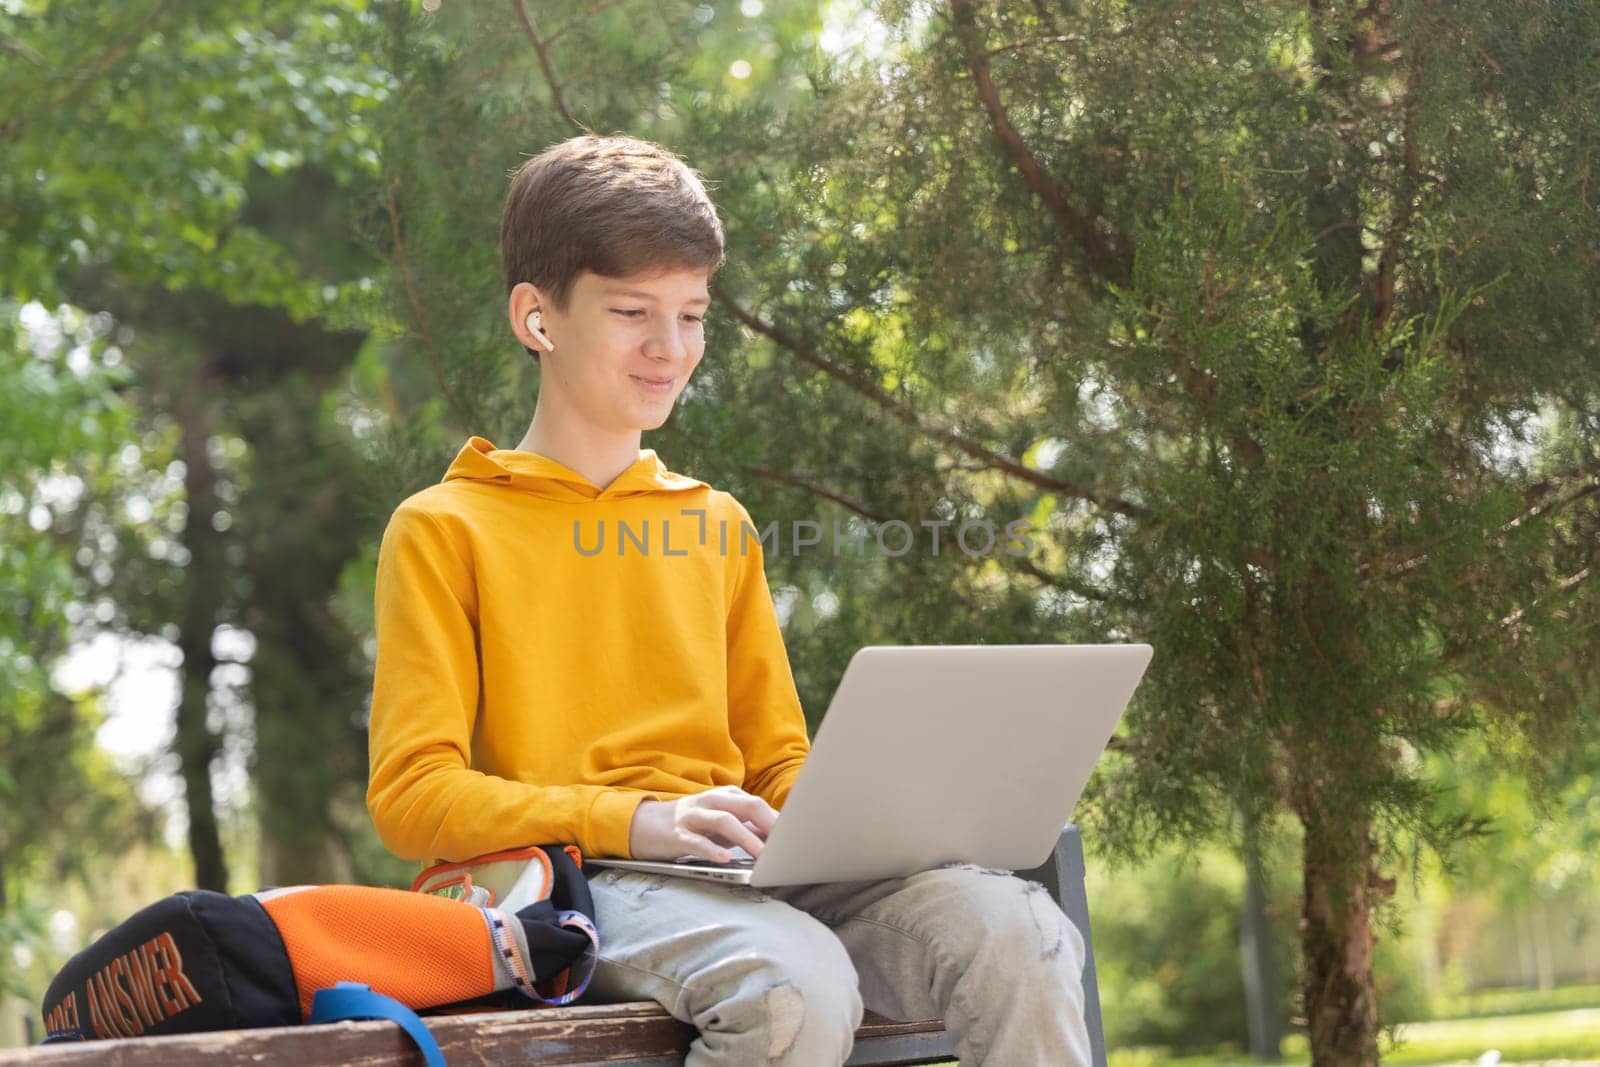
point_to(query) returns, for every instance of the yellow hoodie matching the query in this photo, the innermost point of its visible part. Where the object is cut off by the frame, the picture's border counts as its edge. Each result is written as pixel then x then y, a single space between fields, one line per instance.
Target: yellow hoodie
pixel 550 654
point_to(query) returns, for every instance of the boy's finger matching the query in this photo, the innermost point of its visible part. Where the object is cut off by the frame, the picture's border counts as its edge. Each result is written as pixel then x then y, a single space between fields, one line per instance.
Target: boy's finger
pixel 751 841
pixel 701 847
pixel 724 832
pixel 748 837
pixel 719 846
pixel 746 806
pixel 759 812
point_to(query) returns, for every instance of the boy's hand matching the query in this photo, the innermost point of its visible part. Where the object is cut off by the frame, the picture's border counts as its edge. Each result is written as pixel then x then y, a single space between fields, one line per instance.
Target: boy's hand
pixel 702 825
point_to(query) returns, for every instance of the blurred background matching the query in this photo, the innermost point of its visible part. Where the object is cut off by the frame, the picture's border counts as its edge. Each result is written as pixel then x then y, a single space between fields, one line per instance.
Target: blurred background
pixel 1277 321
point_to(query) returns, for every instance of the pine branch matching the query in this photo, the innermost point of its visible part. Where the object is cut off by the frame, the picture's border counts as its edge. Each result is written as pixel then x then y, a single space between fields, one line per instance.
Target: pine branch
pixel 578 20
pixel 1411 179
pixel 1022 563
pixel 1465 654
pixel 1073 39
pixel 1513 621
pixel 1076 39
pixel 542 48
pixel 1544 498
pixel 1105 262
pixel 1068 584
pixel 944 434
pixel 822 491
pixel 415 301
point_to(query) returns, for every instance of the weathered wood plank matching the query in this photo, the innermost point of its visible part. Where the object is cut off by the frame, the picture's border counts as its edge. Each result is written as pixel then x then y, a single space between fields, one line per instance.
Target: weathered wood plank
pixel 593 1034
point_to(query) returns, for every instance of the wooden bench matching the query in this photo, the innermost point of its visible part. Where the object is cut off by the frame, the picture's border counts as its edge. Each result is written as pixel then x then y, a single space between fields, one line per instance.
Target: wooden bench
pixel 641 1034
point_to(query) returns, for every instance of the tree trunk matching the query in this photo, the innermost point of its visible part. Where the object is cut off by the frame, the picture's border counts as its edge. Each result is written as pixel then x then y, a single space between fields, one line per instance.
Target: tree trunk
pixel 299 532
pixel 1255 951
pixel 196 745
pixel 1527 966
pixel 1336 933
pixel 1543 950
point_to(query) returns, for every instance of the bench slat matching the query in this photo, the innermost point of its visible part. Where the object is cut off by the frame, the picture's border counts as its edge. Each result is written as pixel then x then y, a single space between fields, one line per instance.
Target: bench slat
pixel 592 1034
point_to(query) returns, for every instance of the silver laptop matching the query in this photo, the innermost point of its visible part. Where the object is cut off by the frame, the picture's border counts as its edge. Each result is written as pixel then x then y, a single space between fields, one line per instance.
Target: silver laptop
pixel 934 754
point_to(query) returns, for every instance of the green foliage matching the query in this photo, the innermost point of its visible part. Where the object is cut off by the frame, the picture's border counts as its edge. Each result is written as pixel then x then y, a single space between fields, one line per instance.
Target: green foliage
pixel 59 807
pixel 1167 954
pixel 204 219
pixel 63 420
pixel 1167 947
pixel 168 115
pixel 22 926
pixel 1287 292
pixel 1540 841
pixel 1277 322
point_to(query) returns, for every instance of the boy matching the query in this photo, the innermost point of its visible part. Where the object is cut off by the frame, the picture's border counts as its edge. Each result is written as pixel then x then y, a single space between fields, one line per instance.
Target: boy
pixel 577 645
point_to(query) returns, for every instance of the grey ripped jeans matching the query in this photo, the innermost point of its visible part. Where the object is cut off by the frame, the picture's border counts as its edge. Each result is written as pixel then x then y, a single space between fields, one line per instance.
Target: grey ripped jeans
pixel 780 975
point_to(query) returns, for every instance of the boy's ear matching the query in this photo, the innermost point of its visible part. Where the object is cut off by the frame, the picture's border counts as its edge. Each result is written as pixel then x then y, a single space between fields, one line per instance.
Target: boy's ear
pixel 522 306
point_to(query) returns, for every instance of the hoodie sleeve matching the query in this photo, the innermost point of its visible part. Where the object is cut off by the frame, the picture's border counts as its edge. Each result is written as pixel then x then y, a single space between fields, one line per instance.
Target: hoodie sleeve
pixel 764 712
pixel 426 801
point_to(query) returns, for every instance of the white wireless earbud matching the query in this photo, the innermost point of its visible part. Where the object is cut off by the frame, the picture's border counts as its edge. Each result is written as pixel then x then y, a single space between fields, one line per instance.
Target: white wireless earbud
pixel 538 335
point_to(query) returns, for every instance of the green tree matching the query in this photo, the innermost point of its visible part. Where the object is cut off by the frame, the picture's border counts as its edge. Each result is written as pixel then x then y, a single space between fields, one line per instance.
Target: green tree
pixel 1278 319
pixel 213 153
pixel 60 798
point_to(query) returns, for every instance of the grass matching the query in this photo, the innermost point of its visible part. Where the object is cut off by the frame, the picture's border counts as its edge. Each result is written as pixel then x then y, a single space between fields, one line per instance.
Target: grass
pixel 1562 1036
pixel 1487 1002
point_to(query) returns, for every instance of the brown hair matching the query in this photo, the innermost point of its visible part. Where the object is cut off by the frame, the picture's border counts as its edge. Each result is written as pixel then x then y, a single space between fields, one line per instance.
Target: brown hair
pixel 617 206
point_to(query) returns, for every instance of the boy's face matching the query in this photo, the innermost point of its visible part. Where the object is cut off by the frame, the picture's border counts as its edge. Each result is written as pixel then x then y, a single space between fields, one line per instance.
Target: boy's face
pixel 625 347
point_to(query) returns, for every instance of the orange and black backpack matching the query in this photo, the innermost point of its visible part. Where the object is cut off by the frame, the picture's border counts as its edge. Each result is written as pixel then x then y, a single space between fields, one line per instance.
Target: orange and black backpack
pixel 501 931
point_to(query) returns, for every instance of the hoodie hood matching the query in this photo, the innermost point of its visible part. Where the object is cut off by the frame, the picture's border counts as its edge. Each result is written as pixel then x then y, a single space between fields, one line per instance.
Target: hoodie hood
pixel 480 461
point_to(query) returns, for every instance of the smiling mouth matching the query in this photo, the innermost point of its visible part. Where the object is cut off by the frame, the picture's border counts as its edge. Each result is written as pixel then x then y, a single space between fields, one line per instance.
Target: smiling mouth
pixel 651 381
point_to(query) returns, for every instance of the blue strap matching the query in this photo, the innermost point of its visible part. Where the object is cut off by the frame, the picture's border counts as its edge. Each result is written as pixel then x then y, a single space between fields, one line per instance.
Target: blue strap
pixel 76 1034
pixel 352 1000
